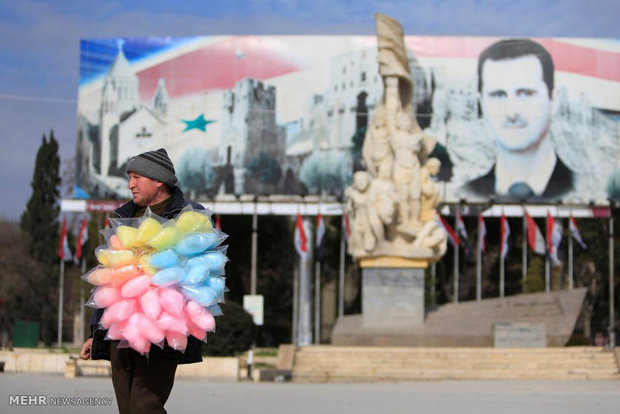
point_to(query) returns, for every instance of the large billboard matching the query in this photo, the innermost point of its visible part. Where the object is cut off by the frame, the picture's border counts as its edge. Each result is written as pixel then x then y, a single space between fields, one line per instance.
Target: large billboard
pixel 534 120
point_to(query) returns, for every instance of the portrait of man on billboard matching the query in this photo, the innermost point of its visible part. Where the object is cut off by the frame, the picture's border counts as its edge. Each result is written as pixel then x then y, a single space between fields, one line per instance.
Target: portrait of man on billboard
pixel 516 96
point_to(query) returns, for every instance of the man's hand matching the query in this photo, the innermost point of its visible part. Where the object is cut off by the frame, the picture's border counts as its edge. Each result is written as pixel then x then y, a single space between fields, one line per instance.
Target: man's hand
pixel 85 354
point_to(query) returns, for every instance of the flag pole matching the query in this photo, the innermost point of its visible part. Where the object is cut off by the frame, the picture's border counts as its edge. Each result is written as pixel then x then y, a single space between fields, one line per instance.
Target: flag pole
pixel 570 255
pixel 524 249
pixel 479 262
pixel 433 284
pixel 254 248
pixel 61 290
pixel 456 256
pixel 343 230
pixel 612 318
pixel 547 274
pixel 501 275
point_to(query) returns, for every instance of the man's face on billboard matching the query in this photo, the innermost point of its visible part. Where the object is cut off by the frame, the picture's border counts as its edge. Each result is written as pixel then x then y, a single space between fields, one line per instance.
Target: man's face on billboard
pixel 515 102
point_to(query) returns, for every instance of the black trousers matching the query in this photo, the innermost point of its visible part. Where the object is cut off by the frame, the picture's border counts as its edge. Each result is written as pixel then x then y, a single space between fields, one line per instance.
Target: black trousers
pixel 141 385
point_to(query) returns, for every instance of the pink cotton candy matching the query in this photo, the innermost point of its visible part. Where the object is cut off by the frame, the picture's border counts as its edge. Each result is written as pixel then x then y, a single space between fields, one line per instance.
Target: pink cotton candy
pixel 177 340
pixel 196 332
pixel 149 330
pixel 115 331
pixel 200 316
pixel 136 286
pixel 115 243
pixel 140 344
pixel 120 311
pixel 124 273
pixel 149 302
pixel 172 301
pixel 168 322
pixel 105 296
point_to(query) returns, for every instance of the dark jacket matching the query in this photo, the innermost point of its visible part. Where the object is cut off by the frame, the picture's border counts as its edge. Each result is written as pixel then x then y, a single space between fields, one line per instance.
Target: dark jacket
pixel 560 182
pixel 101 348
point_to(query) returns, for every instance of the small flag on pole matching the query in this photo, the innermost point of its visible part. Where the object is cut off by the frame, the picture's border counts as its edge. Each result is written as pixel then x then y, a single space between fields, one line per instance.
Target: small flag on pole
pixel 63 248
pixel 574 231
pixel 460 227
pixel 504 233
pixel 452 236
pixel 554 238
pixel 301 240
pixel 535 238
pixel 483 233
pixel 82 238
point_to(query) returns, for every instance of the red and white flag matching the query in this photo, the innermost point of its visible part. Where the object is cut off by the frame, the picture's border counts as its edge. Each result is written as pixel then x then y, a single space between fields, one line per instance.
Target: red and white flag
pixel 535 239
pixel 504 233
pixel 301 240
pixel 460 227
pixel 64 254
pixel 482 228
pixel 218 223
pixel 82 238
pixel 554 237
pixel 452 236
pixel 320 230
pixel 574 231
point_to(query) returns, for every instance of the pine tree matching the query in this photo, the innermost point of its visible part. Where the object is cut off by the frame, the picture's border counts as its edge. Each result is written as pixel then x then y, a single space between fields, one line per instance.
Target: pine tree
pixel 40 232
pixel 39 222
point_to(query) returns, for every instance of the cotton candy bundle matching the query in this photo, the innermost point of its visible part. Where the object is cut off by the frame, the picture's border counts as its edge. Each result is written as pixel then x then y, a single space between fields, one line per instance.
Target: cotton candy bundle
pixel 160 280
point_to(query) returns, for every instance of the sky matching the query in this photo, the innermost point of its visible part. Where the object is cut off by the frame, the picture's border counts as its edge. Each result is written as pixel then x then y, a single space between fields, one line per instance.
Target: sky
pixel 40 40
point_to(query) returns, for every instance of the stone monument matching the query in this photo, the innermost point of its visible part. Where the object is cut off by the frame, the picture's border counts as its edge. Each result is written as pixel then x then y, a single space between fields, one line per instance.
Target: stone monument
pixel 395 232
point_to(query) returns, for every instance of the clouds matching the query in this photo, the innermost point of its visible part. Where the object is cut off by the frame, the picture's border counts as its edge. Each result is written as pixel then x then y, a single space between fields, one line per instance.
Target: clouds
pixel 40 47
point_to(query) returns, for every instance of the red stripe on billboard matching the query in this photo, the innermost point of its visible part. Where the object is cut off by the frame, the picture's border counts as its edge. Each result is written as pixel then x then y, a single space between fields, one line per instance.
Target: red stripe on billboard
pixel 567 57
pixel 217 66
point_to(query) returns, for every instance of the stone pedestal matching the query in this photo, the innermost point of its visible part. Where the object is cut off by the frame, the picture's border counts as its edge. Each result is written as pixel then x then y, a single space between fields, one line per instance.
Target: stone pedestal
pixel 392 298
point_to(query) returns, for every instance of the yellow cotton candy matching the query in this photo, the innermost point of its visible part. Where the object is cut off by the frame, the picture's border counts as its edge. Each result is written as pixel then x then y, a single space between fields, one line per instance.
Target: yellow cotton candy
pixel 165 239
pixel 191 221
pixel 121 258
pixel 103 256
pixel 145 265
pixel 148 229
pixel 127 235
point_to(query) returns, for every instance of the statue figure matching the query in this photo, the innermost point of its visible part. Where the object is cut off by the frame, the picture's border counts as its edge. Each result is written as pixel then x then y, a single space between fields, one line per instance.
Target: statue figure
pixel 357 210
pixel 406 145
pixel 392 205
pixel 429 190
pixel 377 151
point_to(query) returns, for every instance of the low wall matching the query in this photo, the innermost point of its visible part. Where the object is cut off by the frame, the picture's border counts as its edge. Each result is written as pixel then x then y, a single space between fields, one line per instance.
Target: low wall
pixel 45 362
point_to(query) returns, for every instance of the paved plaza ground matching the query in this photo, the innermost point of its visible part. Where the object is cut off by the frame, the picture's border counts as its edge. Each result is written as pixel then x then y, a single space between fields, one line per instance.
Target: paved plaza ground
pixel 216 397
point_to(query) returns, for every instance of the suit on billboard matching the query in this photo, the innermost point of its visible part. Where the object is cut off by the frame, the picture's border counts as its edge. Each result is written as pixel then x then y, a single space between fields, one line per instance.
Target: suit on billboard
pixel 560 183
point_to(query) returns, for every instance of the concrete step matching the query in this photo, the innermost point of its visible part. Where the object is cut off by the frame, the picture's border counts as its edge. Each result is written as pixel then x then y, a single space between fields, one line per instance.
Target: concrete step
pixel 327 363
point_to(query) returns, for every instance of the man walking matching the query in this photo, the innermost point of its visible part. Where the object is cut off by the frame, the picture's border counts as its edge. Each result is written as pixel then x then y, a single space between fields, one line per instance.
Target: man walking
pixel 142 384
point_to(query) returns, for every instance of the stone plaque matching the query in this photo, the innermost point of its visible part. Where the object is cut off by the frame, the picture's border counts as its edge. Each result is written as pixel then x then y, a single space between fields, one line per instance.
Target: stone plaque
pixel 519 335
pixel 393 298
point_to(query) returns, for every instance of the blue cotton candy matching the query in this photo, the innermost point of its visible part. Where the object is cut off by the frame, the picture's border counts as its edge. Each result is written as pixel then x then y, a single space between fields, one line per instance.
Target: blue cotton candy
pixel 167 258
pixel 195 275
pixel 202 295
pixel 167 277
pixel 214 260
pixel 218 284
pixel 215 310
pixel 198 242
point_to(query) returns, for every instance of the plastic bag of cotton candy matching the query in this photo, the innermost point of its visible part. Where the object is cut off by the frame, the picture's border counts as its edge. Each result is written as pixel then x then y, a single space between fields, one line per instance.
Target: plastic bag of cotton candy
pixel 159 280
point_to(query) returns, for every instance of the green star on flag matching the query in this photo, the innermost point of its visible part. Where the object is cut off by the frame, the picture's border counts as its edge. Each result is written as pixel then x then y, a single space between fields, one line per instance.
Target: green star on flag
pixel 198 123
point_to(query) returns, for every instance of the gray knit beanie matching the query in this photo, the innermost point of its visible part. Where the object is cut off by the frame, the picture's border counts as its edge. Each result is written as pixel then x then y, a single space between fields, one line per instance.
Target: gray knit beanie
pixel 155 165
